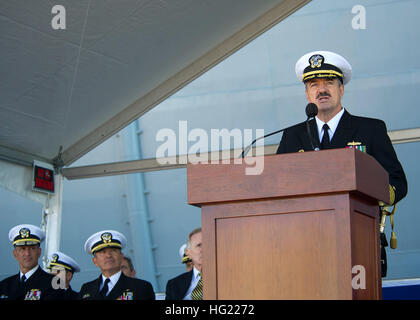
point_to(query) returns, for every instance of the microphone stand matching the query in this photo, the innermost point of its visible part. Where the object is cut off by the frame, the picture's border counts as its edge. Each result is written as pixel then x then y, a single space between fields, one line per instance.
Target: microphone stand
pixel 310 135
pixel 246 150
pixel 311 112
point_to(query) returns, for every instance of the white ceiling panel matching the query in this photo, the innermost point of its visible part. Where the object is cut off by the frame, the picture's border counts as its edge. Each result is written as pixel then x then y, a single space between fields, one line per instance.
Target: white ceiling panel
pixel 114 61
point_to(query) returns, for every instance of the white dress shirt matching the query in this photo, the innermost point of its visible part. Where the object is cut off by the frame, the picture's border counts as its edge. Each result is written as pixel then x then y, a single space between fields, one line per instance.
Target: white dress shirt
pixel 194 282
pixel 112 281
pixel 29 273
pixel 333 123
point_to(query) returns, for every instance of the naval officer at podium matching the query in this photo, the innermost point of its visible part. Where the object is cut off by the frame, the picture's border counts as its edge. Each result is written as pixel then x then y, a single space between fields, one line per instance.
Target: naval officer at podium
pixel 324 75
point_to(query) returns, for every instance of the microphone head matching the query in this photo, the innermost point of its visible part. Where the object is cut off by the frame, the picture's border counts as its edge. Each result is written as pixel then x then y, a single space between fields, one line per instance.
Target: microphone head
pixel 311 110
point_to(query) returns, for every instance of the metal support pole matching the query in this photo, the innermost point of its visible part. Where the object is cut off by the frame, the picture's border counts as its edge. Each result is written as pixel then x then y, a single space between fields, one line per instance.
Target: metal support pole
pixel 138 215
pixel 51 219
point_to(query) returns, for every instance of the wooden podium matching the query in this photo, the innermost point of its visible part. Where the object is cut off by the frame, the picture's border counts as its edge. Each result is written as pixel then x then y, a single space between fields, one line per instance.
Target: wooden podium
pixel 296 231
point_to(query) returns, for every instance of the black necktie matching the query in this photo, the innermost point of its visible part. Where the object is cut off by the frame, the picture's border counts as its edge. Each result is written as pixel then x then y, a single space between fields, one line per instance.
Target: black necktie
pixel 104 290
pixel 22 279
pixel 325 143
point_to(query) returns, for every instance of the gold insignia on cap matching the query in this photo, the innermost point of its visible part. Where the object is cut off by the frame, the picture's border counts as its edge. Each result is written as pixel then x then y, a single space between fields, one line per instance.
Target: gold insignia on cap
pixel 54 258
pixel 26 236
pixel 106 237
pixel 316 61
pixel 185 259
pixel 24 233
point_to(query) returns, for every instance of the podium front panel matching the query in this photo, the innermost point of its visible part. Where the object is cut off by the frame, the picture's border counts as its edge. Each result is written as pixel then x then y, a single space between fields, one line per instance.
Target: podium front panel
pixel 291 232
pixel 254 244
pixel 292 249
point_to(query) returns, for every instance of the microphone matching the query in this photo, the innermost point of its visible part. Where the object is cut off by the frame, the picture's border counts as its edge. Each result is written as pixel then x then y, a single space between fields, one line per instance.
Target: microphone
pixel 311 111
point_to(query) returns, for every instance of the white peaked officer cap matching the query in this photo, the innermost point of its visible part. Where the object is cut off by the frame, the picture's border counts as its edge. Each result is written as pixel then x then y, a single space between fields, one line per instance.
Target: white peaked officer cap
pixel 26 235
pixel 104 239
pixel 184 257
pixel 182 250
pixel 59 259
pixel 323 64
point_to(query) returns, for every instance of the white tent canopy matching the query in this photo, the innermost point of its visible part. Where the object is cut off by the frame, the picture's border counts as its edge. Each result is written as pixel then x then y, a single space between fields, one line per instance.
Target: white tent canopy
pixel 76 87
pixel 64 91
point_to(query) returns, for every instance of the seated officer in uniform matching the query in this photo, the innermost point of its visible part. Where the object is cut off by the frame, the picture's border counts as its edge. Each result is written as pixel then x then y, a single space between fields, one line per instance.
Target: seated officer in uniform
pixel 185 259
pixel 62 266
pixel 188 285
pixel 31 283
pixel 127 267
pixel 324 74
pixel 112 284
